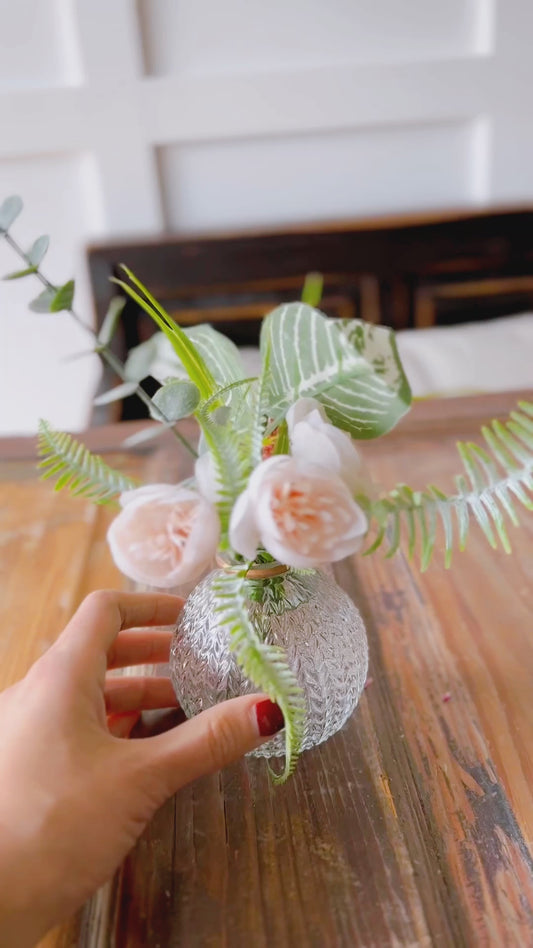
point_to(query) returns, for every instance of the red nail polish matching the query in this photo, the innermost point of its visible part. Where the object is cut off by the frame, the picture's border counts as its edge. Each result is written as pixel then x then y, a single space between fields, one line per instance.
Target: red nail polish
pixel 269 717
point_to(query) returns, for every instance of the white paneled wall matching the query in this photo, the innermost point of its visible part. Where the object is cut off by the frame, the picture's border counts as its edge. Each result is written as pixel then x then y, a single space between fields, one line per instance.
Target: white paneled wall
pixel 241 182
pixel 119 117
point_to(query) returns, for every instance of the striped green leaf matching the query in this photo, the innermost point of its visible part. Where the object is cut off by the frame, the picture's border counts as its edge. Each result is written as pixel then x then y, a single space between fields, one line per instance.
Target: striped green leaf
pixel 351 367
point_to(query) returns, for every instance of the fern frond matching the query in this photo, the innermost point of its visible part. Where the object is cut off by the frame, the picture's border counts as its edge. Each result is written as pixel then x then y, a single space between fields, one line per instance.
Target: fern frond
pixel 85 474
pixel 219 396
pixel 494 478
pixel 265 665
pixel 232 463
pixel 261 413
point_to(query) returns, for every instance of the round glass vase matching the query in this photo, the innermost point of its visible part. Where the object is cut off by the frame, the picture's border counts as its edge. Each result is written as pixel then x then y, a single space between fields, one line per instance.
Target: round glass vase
pixel 306 614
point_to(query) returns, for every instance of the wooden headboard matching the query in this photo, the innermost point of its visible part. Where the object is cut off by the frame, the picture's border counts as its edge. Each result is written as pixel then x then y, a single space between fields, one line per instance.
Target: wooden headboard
pixel 404 272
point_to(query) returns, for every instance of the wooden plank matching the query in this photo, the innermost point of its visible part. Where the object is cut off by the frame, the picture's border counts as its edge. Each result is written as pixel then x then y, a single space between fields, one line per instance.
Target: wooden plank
pixel 426 415
pixel 413 825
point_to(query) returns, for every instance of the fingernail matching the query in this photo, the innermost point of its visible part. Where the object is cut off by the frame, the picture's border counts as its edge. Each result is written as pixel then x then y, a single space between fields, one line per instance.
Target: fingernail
pixel 269 717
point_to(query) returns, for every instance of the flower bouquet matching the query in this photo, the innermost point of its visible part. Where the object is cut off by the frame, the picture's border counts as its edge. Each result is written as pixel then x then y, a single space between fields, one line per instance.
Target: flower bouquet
pixel 278 490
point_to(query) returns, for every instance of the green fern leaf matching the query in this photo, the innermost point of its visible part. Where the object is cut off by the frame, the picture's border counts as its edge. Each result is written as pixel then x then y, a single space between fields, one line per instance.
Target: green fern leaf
pixel 444 513
pixel 494 478
pixel 394 539
pixel 265 665
pixel 261 406
pixel 85 474
pixel 377 542
pixel 232 465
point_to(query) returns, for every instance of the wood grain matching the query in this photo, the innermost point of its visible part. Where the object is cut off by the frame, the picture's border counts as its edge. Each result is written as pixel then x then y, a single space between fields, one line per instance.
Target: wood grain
pixel 412 826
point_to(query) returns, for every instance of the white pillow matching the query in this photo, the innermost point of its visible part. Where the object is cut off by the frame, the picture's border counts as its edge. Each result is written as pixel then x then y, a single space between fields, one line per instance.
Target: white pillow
pixel 490 356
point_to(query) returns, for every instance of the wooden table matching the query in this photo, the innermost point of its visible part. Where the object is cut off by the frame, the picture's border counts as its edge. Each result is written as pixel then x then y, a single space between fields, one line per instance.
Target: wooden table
pixel 411 827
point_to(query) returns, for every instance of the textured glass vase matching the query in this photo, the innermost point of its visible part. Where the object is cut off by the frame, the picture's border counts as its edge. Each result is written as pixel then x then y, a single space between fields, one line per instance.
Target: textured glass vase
pixel 310 617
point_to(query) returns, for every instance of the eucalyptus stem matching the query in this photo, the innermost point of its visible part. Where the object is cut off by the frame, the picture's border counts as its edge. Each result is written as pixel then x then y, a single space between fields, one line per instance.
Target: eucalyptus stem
pixel 102 348
pixel 18 249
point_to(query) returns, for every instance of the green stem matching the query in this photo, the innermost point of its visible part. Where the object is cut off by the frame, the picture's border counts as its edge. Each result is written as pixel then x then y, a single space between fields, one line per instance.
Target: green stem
pixel 112 360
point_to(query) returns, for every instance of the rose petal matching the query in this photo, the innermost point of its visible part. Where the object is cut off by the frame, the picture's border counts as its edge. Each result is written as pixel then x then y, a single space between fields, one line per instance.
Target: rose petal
pixel 314 439
pixel 305 514
pixel 165 535
pixel 301 409
pixel 243 530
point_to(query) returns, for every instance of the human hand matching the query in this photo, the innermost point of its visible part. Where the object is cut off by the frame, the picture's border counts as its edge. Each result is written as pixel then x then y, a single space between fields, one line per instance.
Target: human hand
pixel 74 795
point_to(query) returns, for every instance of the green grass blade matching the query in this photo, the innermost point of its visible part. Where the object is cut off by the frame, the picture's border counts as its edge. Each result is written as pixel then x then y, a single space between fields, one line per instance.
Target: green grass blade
pixel 186 352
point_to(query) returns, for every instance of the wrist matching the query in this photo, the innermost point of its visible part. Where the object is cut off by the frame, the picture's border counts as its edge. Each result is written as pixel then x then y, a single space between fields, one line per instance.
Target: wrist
pixel 27 908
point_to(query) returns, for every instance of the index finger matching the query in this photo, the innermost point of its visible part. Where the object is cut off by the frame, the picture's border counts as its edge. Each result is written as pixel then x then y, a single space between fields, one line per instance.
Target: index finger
pixel 105 613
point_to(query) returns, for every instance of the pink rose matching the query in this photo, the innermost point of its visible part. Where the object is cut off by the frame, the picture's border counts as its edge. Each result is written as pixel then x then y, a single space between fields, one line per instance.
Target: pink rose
pixel 297 511
pixel 313 438
pixel 165 534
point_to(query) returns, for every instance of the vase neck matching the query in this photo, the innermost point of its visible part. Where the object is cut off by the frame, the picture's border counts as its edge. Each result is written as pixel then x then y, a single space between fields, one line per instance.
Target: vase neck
pixel 257 570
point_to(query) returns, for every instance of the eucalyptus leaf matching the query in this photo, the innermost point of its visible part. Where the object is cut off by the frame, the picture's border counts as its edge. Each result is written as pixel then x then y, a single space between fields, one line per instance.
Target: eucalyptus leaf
pixel 111 320
pixel 351 367
pixel 43 302
pixel 177 399
pixel 221 415
pixel 18 274
pixel 116 394
pixel 63 298
pixel 141 359
pixel 9 211
pixel 38 250
pixel 144 435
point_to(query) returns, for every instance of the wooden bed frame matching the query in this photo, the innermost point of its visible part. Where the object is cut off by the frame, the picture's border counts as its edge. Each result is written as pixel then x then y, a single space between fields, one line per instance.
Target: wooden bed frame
pixel 405 272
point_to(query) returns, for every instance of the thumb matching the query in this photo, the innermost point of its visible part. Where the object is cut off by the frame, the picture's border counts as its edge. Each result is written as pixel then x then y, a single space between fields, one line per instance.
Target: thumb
pixel 213 739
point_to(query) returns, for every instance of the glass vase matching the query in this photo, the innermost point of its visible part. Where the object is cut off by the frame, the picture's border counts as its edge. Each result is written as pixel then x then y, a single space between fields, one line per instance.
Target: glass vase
pixel 309 616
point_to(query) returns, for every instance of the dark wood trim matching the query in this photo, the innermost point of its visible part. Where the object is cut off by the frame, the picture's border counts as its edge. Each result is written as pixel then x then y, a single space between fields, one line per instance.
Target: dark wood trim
pixel 404 271
pixel 382 221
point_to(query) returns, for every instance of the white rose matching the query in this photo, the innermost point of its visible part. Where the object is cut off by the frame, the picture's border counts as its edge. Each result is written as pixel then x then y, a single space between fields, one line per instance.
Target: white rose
pixel 165 534
pixel 313 438
pixel 300 513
